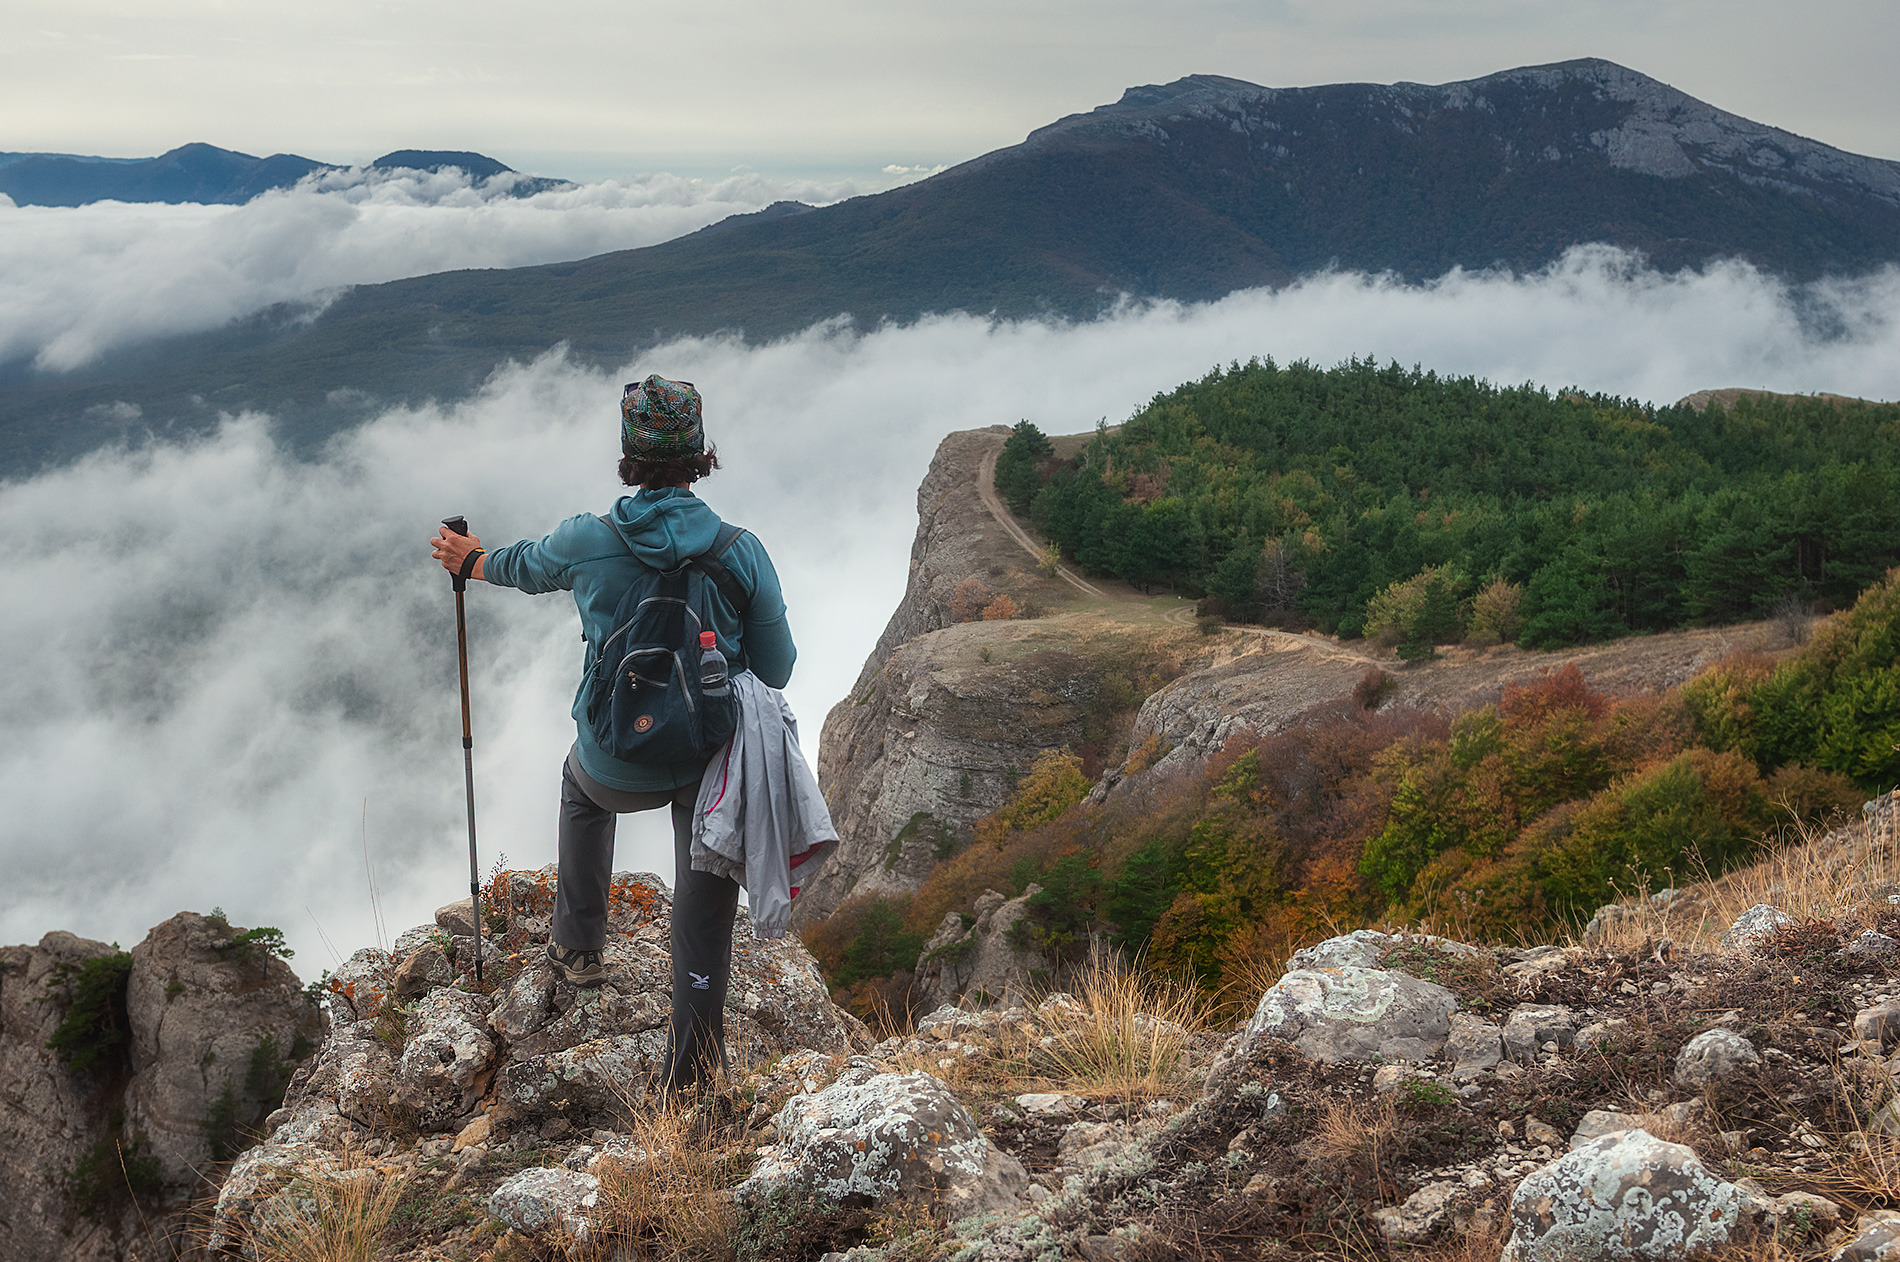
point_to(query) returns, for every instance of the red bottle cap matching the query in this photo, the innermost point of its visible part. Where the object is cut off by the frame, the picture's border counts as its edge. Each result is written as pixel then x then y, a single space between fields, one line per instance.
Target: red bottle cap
pixel 707 640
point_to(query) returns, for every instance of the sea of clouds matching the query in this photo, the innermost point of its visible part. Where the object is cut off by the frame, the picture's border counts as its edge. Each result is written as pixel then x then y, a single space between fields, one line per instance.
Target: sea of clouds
pixel 231 676
pixel 75 282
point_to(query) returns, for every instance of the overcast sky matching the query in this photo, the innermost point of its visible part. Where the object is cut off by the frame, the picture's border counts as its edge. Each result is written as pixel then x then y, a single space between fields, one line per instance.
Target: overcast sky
pixel 594 88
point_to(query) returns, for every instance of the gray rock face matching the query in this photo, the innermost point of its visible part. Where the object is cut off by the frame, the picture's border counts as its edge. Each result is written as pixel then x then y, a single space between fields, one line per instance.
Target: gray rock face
pixel 213 1025
pixel 1530 1026
pixel 1626 1195
pixel 984 958
pixel 927 741
pixel 546 1200
pixel 1754 925
pixel 1712 1056
pixel 891 1138
pixel 1875 1239
pixel 1351 1014
pixel 46 1122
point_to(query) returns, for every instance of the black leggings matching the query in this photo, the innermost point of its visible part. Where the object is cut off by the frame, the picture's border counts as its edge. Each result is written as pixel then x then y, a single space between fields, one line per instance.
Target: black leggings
pixel 704 906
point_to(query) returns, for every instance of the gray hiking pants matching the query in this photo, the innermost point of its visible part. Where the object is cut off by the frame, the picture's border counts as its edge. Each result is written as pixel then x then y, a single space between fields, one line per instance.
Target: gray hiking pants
pixel 704 906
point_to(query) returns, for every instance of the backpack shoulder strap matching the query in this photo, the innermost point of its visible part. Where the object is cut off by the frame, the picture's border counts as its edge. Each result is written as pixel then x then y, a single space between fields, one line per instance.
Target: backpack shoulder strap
pixel 709 564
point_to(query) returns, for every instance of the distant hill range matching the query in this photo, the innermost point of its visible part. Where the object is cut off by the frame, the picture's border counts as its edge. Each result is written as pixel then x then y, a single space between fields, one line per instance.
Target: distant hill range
pixel 205 173
pixel 1187 191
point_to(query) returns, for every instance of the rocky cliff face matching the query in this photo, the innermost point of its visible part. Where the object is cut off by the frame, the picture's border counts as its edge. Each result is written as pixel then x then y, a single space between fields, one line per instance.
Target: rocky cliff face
pixel 168 1057
pixel 946 713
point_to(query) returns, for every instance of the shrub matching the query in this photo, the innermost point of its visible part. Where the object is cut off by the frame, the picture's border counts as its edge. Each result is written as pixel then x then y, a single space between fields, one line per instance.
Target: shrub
pixel 93 1033
pixel 1417 613
pixel 1372 688
pixel 968 600
pixel 1002 609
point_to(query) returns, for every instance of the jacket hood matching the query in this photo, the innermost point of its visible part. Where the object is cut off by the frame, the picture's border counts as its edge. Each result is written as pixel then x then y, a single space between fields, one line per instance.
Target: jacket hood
pixel 665 527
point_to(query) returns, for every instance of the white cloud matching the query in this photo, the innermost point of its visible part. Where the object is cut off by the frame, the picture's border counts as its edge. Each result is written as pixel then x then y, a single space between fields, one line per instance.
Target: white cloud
pixel 76 282
pixel 220 659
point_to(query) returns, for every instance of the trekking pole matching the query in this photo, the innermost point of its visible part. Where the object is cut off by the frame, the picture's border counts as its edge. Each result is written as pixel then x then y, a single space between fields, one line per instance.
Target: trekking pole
pixel 459 525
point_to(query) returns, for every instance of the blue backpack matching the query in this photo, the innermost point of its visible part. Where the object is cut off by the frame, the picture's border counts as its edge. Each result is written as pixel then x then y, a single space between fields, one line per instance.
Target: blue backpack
pixel 648 700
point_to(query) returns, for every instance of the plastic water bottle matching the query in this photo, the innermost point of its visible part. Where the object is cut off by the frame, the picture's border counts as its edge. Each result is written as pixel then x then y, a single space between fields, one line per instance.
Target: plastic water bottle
pixel 712 667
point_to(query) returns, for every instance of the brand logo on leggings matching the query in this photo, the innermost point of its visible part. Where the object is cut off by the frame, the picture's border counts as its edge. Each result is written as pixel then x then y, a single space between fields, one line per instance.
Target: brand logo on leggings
pixel 642 723
pixel 701 981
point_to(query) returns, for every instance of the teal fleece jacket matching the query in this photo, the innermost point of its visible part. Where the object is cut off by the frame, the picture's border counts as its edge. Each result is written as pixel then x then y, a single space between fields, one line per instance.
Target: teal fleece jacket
pixel 597 563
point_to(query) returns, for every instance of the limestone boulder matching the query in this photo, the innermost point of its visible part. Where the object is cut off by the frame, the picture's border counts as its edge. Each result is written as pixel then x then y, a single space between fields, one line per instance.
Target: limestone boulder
pixel 361 986
pixel 1627 1195
pixel 1352 1013
pixel 1363 948
pixel 421 971
pixel 547 1200
pixel 1753 926
pixel 445 1057
pixel 218 1026
pixel 892 1139
pixel 1473 1043
pixel 1530 1026
pixel 1712 1056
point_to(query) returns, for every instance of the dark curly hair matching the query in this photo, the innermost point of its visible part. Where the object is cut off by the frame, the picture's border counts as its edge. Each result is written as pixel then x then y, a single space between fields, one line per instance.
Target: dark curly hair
pixel 650 475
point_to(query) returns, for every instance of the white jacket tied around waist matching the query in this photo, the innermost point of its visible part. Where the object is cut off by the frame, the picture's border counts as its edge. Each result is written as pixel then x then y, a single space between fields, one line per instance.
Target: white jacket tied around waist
pixel 759 807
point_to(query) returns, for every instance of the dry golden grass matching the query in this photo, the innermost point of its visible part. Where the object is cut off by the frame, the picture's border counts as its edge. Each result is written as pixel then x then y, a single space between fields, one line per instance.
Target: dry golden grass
pixel 1354 1132
pixel 1123 1032
pixel 671 1199
pixel 328 1214
pixel 1806 871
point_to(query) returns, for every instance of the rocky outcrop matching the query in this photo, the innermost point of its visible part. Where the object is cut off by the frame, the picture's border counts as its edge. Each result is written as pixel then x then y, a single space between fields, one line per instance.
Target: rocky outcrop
pixel 48 1122
pixel 525 1055
pixel 169 1055
pixel 1352 1013
pixel 990 959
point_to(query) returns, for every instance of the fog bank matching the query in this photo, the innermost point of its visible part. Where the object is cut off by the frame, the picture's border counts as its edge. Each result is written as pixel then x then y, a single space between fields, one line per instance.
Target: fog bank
pixel 230 670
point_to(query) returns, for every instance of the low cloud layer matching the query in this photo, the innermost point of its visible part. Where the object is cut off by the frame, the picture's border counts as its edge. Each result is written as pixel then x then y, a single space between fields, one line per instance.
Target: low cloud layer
pixel 77 282
pixel 230 673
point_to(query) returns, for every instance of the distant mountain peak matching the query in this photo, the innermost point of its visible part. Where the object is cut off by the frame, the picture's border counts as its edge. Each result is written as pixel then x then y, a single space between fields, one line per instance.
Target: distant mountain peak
pixel 1635 122
pixel 478 165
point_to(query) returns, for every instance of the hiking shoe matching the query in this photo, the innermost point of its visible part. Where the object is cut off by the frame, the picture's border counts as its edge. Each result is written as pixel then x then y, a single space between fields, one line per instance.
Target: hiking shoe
pixel 578 968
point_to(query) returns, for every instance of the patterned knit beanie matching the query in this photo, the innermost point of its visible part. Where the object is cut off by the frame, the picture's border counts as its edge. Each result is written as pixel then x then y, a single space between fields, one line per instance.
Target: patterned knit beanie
pixel 660 420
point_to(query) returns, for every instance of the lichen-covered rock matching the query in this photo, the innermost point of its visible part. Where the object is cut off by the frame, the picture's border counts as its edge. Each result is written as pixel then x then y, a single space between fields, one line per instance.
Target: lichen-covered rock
pixel 1431 1209
pixel 1873 944
pixel 546 1200
pixel 1712 1056
pixel 1597 1123
pixel 257 1176
pixel 422 970
pixel 601 1076
pixel 1876 1239
pixel 361 986
pixel 357 1070
pixel 1754 925
pixel 889 1138
pixel 446 1051
pixel 1627 1195
pixel 1362 948
pixel 1531 1025
pixel 1349 1013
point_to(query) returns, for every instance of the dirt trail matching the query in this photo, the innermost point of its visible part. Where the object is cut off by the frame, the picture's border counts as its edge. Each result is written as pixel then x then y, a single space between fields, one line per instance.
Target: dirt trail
pixel 986 491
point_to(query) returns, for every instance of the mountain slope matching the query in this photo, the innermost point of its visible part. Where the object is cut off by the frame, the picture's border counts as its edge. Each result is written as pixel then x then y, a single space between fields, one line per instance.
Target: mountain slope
pixel 202 173
pixel 1185 191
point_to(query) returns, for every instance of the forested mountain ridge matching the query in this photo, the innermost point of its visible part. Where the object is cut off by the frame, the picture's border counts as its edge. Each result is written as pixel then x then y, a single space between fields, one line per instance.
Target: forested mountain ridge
pixel 1379 500
pixel 1187 191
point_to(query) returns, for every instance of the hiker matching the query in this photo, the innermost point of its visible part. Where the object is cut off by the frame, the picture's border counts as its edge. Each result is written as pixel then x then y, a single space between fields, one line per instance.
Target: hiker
pixel 662 526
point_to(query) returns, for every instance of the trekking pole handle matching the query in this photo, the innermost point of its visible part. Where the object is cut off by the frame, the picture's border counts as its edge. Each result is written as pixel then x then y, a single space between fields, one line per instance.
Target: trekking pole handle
pixel 457 524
